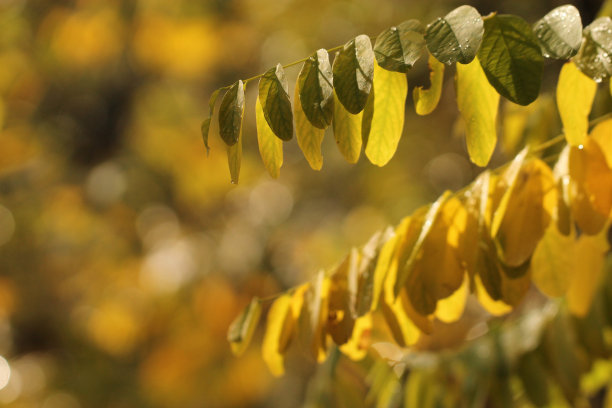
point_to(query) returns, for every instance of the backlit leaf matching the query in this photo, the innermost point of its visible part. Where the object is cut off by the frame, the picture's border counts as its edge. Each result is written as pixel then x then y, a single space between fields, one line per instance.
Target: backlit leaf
pixel 380 272
pixel 595 55
pixel 270 146
pixel 559 32
pixel 426 100
pixel 553 262
pixel 602 134
pixel 575 94
pixel 242 328
pixel 347 131
pixel 279 330
pixel 309 137
pixel 495 307
pixel 353 70
pixel 230 114
pixel 356 348
pixel 206 122
pixel 450 309
pixel 456 37
pixel 319 313
pixel 342 294
pixel 315 85
pixel 398 48
pixel 511 58
pixel 387 124
pixel 477 101
pixel 274 99
pixel 234 158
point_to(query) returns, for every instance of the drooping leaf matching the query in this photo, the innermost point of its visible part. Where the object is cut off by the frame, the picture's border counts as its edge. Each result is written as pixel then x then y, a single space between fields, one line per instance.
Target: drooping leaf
pixel 575 94
pixel 553 262
pixel 347 131
pixel 274 99
pixel 398 48
pixel 602 134
pixel 342 293
pixel 356 348
pixel 450 309
pixel 243 327
pixel 206 122
pixel 387 124
pixel 309 137
pixel 319 313
pixel 595 55
pixel 234 156
pixel 380 272
pixel 230 113
pixel 270 146
pixel 315 85
pixel 426 100
pixel 495 307
pixel 456 37
pixel 478 102
pixel 559 32
pixel 279 330
pixel 353 70
pixel 511 58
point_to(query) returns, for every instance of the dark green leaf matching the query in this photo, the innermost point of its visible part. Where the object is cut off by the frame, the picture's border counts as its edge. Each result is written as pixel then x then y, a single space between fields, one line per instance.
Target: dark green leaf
pixel 275 102
pixel 230 113
pixel 456 37
pixel 353 73
pixel 206 122
pixel 559 32
pixel 511 58
pixel 595 55
pixel 398 48
pixel 315 84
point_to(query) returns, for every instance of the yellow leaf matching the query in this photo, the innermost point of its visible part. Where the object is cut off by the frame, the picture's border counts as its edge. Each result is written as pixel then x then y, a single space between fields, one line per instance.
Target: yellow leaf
pixel 270 146
pixel 451 308
pixel 589 254
pixel 380 272
pixel 602 133
pixel 553 262
pixel 347 131
pixel 279 329
pixel 477 101
pixel 319 312
pixel 390 89
pixel 426 100
pixel 495 307
pixel 528 212
pixel 356 347
pixel 234 159
pixel 342 292
pixel 242 328
pixel 309 137
pixel 403 330
pixel 575 93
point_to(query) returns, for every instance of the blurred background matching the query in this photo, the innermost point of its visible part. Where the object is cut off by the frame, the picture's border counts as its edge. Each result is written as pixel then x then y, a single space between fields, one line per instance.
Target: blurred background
pixel 125 252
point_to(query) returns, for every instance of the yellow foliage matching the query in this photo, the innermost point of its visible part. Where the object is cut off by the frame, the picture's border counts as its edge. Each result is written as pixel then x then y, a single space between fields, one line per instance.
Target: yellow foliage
pixel 426 100
pixel 309 137
pixel 347 131
pixel 575 94
pixel 270 146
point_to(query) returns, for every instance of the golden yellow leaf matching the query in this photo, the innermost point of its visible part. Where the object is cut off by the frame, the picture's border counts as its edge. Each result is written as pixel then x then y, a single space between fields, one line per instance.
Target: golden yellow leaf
pixel 562 214
pixel 477 101
pixel 279 329
pixel 390 89
pixel 242 328
pixel 553 262
pixel 380 272
pixel 602 133
pixel 342 292
pixel 319 313
pixel 403 330
pixel 495 307
pixel 309 137
pixel 270 146
pixel 575 94
pixel 426 100
pixel 234 159
pixel 450 309
pixel 347 131
pixel 356 348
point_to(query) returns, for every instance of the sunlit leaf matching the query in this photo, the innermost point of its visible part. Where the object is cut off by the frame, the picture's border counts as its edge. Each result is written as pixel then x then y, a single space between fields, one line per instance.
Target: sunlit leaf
pixel 399 47
pixel 342 294
pixel 390 89
pixel 456 37
pixel 495 307
pixel 319 313
pixel 274 98
pixel 575 94
pixel 347 131
pixel 234 158
pixel 309 137
pixel 353 70
pixel 230 114
pixel 477 101
pixel 559 32
pixel 206 122
pixel 270 146
pixel 450 309
pixel 315 85
pixel 426 100
pixel 511 58
pixel 380 272
pixel 279 330
pixel 595 55
pixel 553 262
pixel 243 327
pixel 356 348
pixel 602 134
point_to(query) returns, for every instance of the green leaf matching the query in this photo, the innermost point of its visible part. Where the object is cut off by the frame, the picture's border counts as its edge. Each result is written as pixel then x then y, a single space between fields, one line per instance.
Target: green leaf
pixel 275 102
pixel 315 84
pixel 387 124
pixel 206 122
pixel 595 55
pixel 353 70
pixel 456 37
pixel 477 101
pixel 309 138
pixel 242 328
pixel 559 32
pixel 398 48
pixel 530 369
pixel 230 113
pixel 234 159
pixel 511 58
pixel 426 100
pixel 347 131
pixel 270 146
